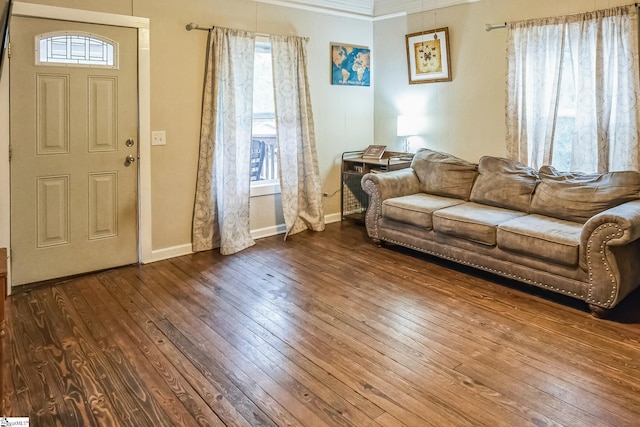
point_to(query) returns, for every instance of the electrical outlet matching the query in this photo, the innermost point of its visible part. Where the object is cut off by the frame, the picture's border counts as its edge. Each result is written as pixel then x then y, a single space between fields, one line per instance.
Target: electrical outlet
pixel 159 137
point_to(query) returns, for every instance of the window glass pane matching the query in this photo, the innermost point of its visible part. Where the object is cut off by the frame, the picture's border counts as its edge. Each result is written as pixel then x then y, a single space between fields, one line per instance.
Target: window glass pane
pixel 76 49
pixel 566 118
pixel 96 50
pixel 263 100
pixel 264 144
pixel 58 47
pixel 565 129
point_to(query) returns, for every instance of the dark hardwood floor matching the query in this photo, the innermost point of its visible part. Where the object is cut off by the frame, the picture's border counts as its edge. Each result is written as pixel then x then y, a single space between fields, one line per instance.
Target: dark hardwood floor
pixel 324 329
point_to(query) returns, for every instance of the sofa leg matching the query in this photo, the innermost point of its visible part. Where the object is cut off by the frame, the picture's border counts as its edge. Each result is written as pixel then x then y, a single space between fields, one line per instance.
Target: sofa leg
pixel 379 243
pixel 599 312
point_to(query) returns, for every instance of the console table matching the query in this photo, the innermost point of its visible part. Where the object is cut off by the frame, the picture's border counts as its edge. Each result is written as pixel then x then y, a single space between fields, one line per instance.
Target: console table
pixel 353 200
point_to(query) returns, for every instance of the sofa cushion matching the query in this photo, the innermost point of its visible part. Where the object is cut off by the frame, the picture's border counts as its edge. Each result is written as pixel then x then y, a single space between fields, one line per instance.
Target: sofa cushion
pixel 472 221
pixel 542 237
pixel 416 209
pixel 504 183
pixel 443 174
pixel 578 197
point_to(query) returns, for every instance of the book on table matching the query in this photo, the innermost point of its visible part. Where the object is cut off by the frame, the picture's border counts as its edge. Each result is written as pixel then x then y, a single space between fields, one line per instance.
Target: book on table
pixel 374 152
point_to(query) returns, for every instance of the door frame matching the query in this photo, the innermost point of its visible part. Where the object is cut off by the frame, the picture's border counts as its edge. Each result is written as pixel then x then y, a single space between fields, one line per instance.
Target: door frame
pixel 34 10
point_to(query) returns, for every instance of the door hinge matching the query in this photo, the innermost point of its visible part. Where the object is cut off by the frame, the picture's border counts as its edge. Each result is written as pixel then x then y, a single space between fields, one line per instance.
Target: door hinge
pixel 9 49
pixel 10 153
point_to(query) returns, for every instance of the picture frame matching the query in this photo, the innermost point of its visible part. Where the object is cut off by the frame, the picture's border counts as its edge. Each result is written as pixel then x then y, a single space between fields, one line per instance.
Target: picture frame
pixel 350 65
pixel 428 57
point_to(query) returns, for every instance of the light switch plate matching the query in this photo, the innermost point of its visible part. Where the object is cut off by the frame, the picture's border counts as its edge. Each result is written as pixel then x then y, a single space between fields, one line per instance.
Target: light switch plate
pixel 158 137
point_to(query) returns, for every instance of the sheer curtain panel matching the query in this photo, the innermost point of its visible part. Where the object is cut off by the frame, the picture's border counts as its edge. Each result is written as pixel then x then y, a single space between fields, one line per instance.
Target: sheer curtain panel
pixel 221 211
pixel 534 49
pixel 572 91
pixel 299 174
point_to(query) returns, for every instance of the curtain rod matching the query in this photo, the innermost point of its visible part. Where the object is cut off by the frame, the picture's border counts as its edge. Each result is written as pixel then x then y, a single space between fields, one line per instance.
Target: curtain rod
pixel 193 26
pixel 489 27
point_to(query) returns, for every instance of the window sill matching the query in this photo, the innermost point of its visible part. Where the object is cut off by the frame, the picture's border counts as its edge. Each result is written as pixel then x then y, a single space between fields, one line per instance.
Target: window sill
pixel 265 189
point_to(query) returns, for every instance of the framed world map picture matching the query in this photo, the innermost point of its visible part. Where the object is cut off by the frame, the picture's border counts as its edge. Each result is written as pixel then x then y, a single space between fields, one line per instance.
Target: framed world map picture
pixel 350 65
pixel 428 56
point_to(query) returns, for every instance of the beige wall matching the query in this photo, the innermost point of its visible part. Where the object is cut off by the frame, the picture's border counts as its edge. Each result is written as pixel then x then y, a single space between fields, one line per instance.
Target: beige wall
pixel 465 116
pixel 343 115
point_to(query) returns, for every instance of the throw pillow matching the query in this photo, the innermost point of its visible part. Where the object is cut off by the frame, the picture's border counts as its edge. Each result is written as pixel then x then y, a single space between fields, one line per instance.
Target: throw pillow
pixel 504 183
pixel 443 174
pixel 577 197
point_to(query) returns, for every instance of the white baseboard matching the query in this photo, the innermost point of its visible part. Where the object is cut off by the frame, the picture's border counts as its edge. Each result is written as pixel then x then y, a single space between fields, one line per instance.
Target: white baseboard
pixel 172 252
pixel 281 229
pixel 261 233
pixel 180 250
pixel 336 217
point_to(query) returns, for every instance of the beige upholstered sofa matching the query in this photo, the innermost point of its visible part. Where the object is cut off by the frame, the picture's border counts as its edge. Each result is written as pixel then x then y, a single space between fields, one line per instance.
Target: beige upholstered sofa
pixel 575 234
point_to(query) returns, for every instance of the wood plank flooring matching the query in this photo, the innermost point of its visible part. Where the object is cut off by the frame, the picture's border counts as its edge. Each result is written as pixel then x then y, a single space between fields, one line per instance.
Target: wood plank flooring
pixel 324 329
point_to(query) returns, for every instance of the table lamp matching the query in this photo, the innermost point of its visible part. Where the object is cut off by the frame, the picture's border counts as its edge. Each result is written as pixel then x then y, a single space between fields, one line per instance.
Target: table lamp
pixel 407 127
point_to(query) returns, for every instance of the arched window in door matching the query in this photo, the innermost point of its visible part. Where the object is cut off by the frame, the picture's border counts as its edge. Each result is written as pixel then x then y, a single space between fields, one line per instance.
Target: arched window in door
pixel 76 49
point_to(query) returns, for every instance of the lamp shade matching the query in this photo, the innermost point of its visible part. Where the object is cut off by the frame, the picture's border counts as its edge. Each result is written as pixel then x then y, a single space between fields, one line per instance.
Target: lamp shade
pixel 407 125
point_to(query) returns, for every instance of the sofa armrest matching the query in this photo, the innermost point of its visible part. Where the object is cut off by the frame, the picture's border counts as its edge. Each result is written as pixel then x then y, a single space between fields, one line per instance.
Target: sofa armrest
pixel 609 242
pixel 382 186
pixel 624 218
pixel 398 183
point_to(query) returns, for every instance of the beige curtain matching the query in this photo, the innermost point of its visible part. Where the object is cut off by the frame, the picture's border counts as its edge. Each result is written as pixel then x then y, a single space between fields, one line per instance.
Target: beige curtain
pixel 534 49
pixel 221 211
pixel 299 174
pixel 575 79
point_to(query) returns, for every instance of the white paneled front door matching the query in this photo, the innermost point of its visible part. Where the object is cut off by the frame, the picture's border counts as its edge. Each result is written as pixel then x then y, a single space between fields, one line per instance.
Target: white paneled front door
pixel 74 148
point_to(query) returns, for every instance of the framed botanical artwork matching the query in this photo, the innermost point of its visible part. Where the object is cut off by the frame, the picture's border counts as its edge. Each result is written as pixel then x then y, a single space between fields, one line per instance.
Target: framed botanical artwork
pixel 350 65
pixel 428 56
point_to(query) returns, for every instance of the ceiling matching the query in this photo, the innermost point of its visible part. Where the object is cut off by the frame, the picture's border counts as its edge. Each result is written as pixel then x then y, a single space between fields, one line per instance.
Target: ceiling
pixel 369 8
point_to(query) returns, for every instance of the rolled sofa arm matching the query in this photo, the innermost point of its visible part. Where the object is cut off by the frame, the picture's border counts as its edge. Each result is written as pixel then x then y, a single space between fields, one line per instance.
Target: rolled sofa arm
pixel 382 186
pixel 612 253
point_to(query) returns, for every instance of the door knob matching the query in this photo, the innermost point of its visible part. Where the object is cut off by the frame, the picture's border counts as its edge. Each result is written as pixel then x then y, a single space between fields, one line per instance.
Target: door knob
pixel 128 160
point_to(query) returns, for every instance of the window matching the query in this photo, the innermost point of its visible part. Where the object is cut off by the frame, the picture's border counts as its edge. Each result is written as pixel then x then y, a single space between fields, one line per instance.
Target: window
pixel 573 91
pixel 80 49
pixel 264 118
pixel 565 128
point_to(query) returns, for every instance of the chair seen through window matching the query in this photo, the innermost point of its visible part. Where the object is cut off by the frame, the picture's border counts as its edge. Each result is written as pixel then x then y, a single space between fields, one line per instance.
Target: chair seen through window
pixel 257 158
